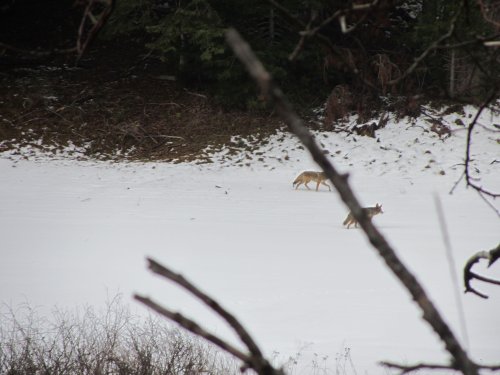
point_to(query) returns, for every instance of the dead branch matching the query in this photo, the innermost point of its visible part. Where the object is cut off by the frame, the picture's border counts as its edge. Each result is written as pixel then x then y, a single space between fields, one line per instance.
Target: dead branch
pixel 405 369
pixel 468 178
pixel 300 45
pixel 491 256
pixel 434 45
pixel 339 15
pixel 95 16
pixel 245 337
pixel 431 315
pixel 322 40
pixel 253 360
pixel 192 327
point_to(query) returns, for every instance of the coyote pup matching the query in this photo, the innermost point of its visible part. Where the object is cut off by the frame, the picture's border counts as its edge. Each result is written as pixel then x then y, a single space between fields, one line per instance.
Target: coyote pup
pixel 370 211
pixel 308 176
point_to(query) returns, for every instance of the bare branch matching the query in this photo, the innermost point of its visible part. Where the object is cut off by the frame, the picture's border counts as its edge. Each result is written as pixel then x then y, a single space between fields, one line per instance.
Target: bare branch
pixel 456 183
pixel 300 45
pixel 339 14
pixel 193 327
pixel 295 124
pixel 487 41
pixel 323 40
pixel 468 178
pixel 431 47
pixel 87 34
pixel 405 369
pixel 429 366
pixel 492 256
pixel 253 360
pixel 210 302
pixel 90 25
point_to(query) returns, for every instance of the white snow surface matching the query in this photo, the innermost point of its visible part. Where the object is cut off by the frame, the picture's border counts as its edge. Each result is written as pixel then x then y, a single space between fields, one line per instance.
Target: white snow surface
pixel 74 233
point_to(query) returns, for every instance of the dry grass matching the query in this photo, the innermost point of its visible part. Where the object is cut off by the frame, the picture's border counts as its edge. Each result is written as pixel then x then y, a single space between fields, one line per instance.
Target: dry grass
pixel 115 114
pixel 112 341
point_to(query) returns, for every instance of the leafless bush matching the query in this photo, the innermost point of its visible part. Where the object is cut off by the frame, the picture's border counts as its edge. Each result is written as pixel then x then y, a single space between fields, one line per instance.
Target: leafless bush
pixel 113 341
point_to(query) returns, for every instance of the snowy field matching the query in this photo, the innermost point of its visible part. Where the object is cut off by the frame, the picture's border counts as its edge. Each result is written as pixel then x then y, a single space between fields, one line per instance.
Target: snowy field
pixel 75 233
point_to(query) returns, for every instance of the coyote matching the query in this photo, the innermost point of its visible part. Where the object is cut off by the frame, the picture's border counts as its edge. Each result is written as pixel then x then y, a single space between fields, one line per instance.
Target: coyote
pixel 370 211
pixel 308 176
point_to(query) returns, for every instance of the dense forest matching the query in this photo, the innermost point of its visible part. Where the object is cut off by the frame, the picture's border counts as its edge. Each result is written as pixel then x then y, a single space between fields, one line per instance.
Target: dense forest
pixel 341 56
pixel 363 50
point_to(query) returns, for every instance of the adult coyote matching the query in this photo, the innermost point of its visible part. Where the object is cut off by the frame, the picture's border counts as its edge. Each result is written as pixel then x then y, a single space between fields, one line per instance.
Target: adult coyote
pixel 308 176
pixel 370 211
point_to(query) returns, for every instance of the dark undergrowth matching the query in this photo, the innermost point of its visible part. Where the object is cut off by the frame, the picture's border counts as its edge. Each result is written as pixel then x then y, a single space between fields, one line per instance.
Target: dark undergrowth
pixel 113 108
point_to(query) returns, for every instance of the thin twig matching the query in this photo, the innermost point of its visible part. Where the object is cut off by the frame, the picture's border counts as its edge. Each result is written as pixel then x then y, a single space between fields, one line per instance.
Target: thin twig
pixel 431 47
pixel 452 267
pixel 468 177
pixel 429 366
pixel 419 366
pixel 326 42
pixel 300 45
pixel 457 182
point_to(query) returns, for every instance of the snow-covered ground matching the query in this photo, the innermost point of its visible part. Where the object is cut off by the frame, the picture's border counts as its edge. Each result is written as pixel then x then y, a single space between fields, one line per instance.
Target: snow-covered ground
pixel 73 233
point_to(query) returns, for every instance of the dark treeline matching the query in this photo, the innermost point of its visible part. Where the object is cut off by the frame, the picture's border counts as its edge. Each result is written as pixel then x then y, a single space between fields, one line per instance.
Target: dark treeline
pixel 353 55
pixel 352 52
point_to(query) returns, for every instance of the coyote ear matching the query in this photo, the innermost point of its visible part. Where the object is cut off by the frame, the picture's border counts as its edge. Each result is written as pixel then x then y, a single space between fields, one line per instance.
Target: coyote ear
pixel 377 205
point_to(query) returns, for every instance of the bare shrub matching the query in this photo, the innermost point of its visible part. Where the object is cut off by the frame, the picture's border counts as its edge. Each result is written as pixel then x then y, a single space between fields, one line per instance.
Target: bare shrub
pixel 113 341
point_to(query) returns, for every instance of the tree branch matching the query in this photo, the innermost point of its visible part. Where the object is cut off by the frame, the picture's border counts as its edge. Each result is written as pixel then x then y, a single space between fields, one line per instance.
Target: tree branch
pixel 178 279
pixel 429 366
pixel 255 360
pixel 434 45
pixel 295 124
pixel 322 39
pixel 192 327
pixel 86 34
pixel 492 256
pixel 472 125
pixel 85 37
